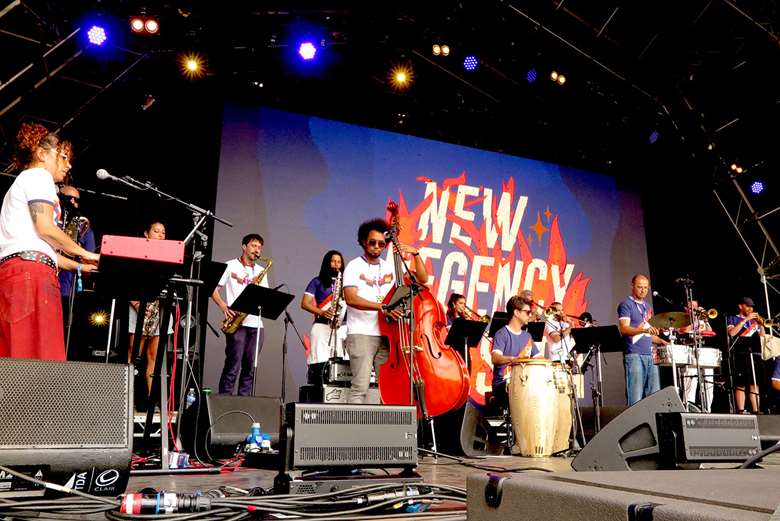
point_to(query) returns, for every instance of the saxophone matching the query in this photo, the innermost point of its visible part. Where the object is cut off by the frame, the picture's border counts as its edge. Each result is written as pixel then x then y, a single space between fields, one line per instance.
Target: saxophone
pixel 335 306
pixel 231 325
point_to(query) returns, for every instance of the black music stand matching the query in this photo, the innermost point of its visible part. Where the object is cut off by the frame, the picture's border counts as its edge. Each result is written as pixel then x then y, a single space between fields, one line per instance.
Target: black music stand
pixel 536 330
pixel 465 333
pixel 594 341
pixel 267 303
pixel 500 319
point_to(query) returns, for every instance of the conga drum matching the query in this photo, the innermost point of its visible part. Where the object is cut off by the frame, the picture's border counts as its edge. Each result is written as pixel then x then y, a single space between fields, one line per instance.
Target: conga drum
pixel 562 406
pixel 532 404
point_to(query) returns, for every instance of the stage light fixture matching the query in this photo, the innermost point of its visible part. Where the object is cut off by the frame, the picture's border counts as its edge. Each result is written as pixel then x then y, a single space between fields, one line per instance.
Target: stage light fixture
pixel 192 66
pixel 531 75
pixel 445 50
pixel 401 76
pixel 653 137
pixel 436 49
pixel 136 25
pixel 307 50
pixel 97 35
pixel 561 79
pixel 554 75
pixel 152 26
pixel 757 187
pixel 470 63
pixel 739 170
pixel 98 318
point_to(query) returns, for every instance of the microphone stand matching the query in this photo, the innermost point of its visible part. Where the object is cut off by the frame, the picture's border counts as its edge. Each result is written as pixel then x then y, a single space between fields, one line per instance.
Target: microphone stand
pixel 200 215
pixel 102 194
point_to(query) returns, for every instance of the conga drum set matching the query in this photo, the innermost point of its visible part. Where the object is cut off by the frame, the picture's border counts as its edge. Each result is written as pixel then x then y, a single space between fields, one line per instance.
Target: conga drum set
pixel 540 403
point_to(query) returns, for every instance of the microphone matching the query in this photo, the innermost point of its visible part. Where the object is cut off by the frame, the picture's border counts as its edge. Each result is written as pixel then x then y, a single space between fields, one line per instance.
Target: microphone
pixel 656 294
pixel 279 286
pixel 103 174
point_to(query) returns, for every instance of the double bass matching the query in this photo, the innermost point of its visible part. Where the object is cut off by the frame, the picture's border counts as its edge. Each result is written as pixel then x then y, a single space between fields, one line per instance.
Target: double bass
pixel 434 374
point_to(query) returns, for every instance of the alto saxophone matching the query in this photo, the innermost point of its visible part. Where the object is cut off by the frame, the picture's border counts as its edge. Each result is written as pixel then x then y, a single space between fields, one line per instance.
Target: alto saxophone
pixel 231 325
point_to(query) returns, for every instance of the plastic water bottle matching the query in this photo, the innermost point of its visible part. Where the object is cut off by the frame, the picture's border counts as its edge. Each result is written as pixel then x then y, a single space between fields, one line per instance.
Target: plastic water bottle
pixel 255 439
pixel 266 445
pixel 190 399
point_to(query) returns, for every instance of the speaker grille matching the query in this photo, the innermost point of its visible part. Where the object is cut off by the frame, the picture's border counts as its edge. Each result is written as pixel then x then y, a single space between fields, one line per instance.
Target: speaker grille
pixel 327 416
pixel 346 455
pixel 63 404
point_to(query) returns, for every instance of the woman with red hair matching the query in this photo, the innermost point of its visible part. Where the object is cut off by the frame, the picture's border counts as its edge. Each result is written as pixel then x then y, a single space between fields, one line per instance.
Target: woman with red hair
pixel 30 305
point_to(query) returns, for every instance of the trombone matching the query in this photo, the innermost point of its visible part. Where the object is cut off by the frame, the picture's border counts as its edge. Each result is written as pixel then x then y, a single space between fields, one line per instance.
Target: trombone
pixel 473 315
pixel 551 314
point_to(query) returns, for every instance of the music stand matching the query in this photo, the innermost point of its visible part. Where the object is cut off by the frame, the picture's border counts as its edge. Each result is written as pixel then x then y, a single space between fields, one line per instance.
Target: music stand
pixel 465 333
pixel 536 330
pixel 595 340
pixel 267 303
pixel 500 319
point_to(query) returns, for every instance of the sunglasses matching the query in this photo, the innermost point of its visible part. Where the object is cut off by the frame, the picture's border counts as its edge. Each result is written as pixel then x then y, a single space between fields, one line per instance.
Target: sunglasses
pixel 374 242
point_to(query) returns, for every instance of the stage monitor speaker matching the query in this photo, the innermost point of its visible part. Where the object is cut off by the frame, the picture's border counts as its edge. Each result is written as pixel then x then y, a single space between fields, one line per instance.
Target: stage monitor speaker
pixel 630 441
pixel 223 421
pixel 68 423
pixel 340 435
pixel 700 437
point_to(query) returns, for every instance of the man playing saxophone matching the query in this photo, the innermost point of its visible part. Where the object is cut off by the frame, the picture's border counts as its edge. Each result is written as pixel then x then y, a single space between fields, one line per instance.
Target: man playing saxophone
pixel 240 341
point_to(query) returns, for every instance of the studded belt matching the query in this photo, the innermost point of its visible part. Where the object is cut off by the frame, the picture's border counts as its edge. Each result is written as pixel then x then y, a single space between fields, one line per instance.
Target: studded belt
pixel 34 256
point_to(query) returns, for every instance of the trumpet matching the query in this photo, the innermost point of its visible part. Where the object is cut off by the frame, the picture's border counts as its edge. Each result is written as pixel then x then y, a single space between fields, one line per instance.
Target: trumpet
pixel 766 322
pixel 703 314
pixel 473 315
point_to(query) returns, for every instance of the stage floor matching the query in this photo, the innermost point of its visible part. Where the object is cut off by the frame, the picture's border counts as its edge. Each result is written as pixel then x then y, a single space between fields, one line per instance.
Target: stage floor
pixel 440 471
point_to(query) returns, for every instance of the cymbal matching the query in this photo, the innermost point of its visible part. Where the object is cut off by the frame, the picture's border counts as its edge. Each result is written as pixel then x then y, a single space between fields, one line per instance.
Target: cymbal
pixel 675 319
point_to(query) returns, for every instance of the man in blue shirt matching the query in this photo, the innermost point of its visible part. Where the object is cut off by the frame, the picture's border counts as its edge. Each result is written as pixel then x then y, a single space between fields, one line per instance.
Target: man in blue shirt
pixel 510 344
pixel 639 336
pixel 748 366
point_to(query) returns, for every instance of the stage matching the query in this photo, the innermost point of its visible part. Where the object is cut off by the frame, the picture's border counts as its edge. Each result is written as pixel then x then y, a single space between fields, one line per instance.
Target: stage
pixel 444 471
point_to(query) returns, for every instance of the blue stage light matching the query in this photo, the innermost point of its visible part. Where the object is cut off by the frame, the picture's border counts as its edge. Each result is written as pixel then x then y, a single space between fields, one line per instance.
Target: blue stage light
pixel 307 51
pixel 470 63
pixel 97 35
pixel 757 187
pixel 653 136
pixel 531 76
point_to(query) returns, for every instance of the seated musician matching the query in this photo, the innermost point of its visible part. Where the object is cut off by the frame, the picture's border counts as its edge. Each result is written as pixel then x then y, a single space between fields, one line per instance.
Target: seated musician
pixel 456 308
pixel 701 326
pixel 510 344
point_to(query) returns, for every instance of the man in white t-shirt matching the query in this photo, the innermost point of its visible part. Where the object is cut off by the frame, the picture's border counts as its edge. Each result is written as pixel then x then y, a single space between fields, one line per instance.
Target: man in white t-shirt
pixel 557 334
pixel 367 280
pixel 240 346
